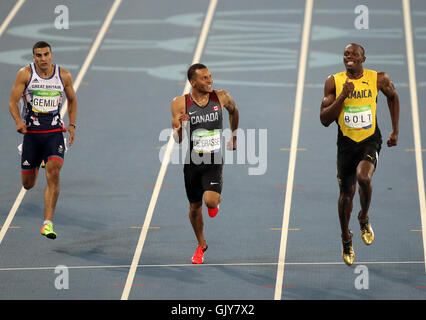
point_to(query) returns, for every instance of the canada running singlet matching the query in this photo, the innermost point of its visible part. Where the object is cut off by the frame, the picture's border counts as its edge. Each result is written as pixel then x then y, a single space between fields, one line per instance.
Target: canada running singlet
pixel 205 126
pixel 42 101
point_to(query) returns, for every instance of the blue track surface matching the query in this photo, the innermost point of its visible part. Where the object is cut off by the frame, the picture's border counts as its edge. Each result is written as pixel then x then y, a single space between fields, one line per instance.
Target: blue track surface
pixel 124 101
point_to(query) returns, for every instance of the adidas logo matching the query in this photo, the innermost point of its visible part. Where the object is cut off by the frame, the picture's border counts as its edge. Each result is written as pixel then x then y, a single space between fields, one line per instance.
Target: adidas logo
pixel 26 163
pixel 35 80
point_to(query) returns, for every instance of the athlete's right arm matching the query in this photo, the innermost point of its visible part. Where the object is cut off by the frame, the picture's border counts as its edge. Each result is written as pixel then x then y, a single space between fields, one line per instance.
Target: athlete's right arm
pixel 21 81
pixel 332 106
pixel 178 116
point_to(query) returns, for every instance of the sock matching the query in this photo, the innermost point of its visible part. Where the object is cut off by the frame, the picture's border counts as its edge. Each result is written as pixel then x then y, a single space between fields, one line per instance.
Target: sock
pixel 47 221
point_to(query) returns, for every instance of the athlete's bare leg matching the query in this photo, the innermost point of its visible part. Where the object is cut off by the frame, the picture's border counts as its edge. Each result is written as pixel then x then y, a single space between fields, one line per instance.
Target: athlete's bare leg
pixel 29 179
pixel 51 193
pixel 212 199
pixel 197 222
pixel 364 176
pixel 345 205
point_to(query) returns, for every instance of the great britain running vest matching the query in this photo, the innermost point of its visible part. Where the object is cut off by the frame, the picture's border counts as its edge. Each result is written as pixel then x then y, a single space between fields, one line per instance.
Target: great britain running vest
pixel 42 102
pixel 357 121
pixel 205 125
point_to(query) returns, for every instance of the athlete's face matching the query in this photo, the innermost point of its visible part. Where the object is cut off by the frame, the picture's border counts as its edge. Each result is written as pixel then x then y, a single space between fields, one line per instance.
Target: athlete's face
pixel 42 58
pixel 353 58
pixel 202 80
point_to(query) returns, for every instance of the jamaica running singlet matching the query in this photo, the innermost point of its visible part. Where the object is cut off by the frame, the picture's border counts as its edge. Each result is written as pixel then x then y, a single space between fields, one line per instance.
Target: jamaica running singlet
pixel 357 121
pixel 42 102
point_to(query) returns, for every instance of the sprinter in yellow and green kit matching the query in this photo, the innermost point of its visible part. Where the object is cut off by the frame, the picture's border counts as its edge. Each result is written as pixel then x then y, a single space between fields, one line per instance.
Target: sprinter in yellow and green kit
pixel 350 99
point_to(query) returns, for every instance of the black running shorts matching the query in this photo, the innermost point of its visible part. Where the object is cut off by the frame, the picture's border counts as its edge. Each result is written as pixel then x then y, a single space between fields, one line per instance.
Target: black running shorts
pixel 200 178
pixel 41 146
pixel 348 160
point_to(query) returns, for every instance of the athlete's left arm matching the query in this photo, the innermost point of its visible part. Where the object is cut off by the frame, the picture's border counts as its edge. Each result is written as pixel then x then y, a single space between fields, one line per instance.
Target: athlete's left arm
pixel 228 102
pixel 72 103
pixel 385 85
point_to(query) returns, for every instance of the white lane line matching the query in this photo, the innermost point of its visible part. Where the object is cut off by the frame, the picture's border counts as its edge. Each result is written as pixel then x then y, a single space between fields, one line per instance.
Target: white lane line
pixel 205 265
pixel 293 146
pixel 77 83
pixel 11 214
pixel 415 115
pixel 93 50
pixel 139 247
pixel 10 16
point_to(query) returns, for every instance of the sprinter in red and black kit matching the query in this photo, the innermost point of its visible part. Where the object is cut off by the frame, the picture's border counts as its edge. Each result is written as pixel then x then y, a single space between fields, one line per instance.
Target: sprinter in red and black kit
pixel 202 111
pixel 203 164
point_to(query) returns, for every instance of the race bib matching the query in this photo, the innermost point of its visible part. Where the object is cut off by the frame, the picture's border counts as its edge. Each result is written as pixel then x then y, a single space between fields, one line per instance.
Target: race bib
pixel 45 101
pixel 206 141
pixel 358 117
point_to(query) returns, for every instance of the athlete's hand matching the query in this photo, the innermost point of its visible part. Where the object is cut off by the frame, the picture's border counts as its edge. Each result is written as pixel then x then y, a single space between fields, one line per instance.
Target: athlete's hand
pixel 183 118
pixel 393 139
pixel 348 87
pixel 231 144
pixel 21 127
pixel 177 128
pixel 71 130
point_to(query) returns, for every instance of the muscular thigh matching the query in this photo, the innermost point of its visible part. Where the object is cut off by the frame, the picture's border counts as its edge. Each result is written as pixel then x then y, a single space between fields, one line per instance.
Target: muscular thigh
pixel 32 153
pixel 349 159
pixel 201 178
pixel 193 185
pixel 212 178
pixel 346 169
pixel 54 147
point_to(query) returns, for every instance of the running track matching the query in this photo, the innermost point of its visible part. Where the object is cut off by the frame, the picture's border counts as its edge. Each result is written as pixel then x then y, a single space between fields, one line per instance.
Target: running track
pixel 277 235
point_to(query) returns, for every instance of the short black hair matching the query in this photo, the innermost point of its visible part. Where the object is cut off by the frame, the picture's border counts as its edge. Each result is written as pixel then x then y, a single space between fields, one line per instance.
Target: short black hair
pixel 42 44
pixel 359 46
pixel 193 68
